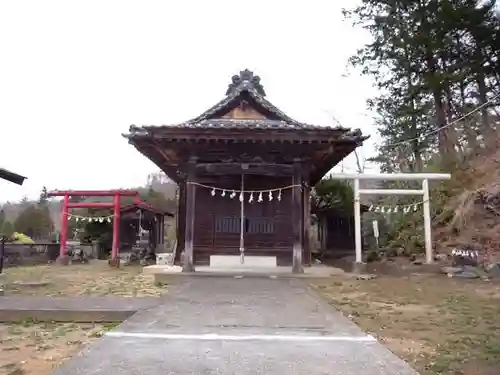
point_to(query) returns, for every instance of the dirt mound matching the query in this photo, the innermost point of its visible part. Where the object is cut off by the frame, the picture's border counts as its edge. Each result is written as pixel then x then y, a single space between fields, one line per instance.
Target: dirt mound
pixel 473 211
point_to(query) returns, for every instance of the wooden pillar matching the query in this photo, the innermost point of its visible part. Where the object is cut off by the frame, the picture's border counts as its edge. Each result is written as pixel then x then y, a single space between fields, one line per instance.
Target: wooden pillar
pixel 162 229
pixel 153 236
pixel 159 231
pixel 297 219
pixel 187 265
pixel 115 247
pixel 180 221
pixel 306 221
pixel 63 256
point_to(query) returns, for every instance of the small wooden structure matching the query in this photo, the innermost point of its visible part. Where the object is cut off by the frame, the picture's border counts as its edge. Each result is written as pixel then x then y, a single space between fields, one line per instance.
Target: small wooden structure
pixel 148 218
pixel 244 169
pixel 138 207
pixel 11 176
pixel 115 206
pixel 335 232
pixel 16 179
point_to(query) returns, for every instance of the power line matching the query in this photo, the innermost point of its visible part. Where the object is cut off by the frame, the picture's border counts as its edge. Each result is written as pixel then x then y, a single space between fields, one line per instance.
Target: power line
pixel 406 141
pixel 423 136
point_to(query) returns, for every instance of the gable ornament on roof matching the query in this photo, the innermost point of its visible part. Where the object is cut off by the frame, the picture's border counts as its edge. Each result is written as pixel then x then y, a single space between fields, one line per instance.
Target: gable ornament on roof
pixel 246 77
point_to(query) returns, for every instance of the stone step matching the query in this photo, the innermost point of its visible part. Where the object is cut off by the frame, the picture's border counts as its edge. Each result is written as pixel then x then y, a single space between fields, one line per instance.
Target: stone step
pixel 231 261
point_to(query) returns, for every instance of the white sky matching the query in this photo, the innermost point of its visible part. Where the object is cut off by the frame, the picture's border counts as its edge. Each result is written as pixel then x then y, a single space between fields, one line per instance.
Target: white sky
pixel 75 74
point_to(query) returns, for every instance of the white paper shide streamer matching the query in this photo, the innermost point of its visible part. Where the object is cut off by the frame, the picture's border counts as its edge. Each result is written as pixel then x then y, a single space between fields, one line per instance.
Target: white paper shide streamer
pixel 395 209
pixel 250 196
pixel 91 219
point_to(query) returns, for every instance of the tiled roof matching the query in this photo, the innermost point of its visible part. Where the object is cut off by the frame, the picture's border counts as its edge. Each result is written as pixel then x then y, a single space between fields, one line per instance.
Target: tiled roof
pixel 228 123
pixel 243 85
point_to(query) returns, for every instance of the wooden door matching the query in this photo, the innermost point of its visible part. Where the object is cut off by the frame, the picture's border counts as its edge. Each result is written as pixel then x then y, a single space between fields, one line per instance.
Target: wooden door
pixel 226 228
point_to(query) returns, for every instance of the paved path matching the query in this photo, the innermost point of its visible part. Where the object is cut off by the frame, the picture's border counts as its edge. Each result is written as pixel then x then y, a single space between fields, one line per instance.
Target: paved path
pixel 237 326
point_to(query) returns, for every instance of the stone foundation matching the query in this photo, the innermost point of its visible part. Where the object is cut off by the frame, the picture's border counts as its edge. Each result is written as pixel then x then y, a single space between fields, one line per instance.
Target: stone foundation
pixel 359 267
pixel 114 263
pixel 63 260
pixel 165 259
pixel 2 284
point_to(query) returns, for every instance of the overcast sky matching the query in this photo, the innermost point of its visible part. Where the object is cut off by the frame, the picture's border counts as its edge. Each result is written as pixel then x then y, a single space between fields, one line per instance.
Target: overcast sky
pixel 75 74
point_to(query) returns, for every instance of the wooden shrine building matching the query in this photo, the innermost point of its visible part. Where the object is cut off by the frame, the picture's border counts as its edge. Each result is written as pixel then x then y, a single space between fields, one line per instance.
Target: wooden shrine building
pixel 244 170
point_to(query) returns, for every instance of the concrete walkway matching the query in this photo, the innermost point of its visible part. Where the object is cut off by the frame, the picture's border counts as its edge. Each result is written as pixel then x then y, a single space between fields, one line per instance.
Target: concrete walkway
pixel 237 326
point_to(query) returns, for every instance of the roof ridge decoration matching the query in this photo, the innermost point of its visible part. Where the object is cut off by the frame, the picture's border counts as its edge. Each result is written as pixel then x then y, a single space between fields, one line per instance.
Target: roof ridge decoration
pixel 246 78
pixel 247 82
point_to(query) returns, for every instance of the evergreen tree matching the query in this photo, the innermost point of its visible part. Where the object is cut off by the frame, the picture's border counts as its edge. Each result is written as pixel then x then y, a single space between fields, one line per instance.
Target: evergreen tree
pixel 44 197
pixel 35 222
pixel 436 64
pixel 6 228
pixel 433 61
pixel 2 217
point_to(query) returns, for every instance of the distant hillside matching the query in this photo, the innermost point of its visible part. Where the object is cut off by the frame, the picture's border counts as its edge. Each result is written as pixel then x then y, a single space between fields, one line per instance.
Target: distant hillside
pixel 12 210
pixel 162 184
pixel 158 181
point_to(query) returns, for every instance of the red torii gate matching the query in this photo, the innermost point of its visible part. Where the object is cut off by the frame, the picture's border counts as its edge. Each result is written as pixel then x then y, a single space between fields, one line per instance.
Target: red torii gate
pixel 116 194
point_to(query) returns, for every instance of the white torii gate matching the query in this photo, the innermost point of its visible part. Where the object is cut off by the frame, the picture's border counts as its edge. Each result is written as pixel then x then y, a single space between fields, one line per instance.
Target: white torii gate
pixel 424 192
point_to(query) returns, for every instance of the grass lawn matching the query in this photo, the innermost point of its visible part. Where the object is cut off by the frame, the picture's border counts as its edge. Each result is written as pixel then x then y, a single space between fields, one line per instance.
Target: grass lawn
pixel 439 325
pixel 38 348
pixel 95 278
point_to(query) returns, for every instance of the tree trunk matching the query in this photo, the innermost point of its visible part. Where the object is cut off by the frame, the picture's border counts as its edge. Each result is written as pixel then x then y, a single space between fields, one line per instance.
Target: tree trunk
pixel 486 130
pixel 452 130
pixel 446 146
pixel 445 143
